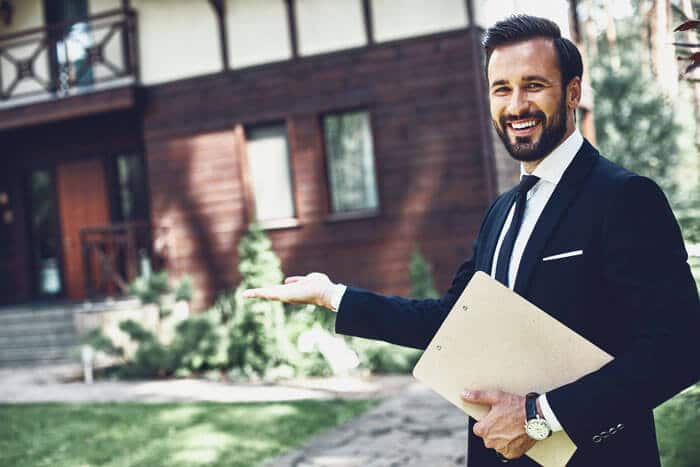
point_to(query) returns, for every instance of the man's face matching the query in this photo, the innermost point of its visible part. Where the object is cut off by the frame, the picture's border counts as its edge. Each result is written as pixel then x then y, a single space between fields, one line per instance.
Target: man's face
pixel 528 105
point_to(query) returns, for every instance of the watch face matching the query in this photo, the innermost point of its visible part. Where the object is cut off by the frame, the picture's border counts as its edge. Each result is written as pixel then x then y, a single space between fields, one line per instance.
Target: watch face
pixel 537 429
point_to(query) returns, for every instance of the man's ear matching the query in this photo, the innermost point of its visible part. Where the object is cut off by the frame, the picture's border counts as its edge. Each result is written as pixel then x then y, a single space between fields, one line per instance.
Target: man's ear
pixel 573 93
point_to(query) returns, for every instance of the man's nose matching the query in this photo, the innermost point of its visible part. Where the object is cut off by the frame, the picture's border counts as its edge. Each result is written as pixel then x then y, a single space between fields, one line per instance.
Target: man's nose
pixel 518 104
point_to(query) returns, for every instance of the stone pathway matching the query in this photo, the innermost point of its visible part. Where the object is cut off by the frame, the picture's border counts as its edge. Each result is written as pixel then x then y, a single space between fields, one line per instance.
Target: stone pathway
pixel 416 428
pixel 412 427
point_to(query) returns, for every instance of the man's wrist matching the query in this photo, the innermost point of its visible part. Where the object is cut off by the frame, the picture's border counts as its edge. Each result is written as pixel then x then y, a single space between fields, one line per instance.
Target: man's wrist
pixel 335 295
pixel 546 412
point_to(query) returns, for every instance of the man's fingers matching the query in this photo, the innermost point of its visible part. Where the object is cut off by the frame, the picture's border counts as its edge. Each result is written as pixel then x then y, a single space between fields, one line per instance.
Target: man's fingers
pixel 481 397
pixel 267 293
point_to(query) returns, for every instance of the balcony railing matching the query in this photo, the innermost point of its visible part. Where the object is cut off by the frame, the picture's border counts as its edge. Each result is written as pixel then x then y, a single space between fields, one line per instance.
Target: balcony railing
pixel 64 59
pixel 112 256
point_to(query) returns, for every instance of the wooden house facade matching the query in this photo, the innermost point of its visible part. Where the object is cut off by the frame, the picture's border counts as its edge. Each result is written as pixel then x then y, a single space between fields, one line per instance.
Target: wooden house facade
pixel 353 131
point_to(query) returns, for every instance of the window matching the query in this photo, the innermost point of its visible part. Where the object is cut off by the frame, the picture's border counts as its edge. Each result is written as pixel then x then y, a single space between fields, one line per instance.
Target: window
pixel 269 172
pixel 350 159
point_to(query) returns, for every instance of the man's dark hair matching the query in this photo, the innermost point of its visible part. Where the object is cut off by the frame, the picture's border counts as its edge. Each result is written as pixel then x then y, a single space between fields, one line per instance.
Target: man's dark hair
pixel 519 28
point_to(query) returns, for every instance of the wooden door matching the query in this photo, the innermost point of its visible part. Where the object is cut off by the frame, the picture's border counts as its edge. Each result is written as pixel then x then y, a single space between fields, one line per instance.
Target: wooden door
pixel 82 202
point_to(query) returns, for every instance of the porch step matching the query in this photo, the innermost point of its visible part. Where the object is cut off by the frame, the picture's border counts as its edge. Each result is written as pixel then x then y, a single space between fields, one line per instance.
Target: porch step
pixel 37 336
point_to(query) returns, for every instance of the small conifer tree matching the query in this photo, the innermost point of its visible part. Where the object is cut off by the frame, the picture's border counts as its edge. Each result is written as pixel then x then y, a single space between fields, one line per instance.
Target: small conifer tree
pixel 258 339
pixel 422 284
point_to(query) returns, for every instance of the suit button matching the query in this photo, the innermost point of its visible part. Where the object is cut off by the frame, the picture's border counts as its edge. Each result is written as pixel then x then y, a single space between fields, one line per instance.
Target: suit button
pixel 620 426
pixel 597 439
pixel 612 431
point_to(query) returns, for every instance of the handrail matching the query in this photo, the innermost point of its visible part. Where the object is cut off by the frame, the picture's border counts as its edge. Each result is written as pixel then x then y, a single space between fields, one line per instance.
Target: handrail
pixel 66 58
pixel 64 24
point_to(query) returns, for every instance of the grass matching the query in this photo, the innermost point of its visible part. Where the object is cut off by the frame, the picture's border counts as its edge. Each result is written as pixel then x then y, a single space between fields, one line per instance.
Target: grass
pixel 130 434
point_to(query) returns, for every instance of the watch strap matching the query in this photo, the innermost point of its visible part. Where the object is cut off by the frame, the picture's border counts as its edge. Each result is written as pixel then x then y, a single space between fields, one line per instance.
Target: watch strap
pixel 531 406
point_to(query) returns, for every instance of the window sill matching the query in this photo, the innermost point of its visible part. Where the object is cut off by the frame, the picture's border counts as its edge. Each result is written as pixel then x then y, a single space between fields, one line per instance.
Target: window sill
pixel 352 215
pixel 278 224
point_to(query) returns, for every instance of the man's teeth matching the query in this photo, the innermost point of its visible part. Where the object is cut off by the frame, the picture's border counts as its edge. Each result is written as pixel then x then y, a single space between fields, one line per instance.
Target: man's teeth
pixel 523 125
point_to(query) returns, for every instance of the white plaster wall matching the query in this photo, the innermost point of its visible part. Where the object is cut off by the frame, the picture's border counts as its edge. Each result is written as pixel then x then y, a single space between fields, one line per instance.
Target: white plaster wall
pixel 327 25
pixel 100 6
pixel 398 19
pixel 28 14
pixel 177 39
pixel 258 32
pixel 487 12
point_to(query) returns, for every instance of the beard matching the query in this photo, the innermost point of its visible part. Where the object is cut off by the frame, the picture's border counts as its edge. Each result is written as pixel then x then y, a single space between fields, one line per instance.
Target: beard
pixel 525 149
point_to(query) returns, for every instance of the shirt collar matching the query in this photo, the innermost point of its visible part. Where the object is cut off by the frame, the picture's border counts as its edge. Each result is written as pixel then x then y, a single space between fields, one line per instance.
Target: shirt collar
pixel 552 167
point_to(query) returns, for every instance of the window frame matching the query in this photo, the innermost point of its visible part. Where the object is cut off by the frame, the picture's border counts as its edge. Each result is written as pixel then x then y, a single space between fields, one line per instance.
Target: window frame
pixel 241 132
pixel 355 214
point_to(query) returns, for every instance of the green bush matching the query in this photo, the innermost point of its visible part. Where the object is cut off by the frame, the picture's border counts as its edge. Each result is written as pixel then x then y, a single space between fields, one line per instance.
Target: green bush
pixel 200 343
pixel 678 429
pixel 151 359
pixel 422 283
pixel 258 341
pixel 382 357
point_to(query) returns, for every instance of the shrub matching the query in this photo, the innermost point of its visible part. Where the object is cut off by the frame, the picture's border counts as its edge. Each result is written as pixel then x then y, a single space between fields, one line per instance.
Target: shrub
pixel 678 427
pixel 422 283
pixel 151 359
pixel 258 340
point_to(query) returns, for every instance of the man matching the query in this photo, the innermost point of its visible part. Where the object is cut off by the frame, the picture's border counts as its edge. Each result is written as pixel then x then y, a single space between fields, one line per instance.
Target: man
pixel 592 244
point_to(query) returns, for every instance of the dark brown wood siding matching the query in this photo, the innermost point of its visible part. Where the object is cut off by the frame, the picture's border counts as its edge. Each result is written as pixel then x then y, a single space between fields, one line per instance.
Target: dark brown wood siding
pixel 420 94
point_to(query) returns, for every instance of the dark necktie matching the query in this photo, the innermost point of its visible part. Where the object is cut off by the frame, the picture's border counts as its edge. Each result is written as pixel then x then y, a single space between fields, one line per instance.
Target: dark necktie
pixel 503 264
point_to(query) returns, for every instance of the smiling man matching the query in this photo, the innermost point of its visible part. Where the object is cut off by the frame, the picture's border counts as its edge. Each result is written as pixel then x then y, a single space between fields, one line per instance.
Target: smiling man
pixel 592 244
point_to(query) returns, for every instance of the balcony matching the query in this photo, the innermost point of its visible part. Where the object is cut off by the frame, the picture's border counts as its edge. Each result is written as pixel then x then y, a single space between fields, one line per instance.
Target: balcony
pixel 67 70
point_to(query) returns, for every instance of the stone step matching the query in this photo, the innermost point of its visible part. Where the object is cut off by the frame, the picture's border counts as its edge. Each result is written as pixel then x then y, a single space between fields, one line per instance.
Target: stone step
pixel 8 317
pixel 29 340
pixel 9 357
pixel 41 328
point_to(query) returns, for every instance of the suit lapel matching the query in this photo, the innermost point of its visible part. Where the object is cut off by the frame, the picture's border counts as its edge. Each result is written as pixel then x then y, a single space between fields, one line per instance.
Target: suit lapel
pixel 564 194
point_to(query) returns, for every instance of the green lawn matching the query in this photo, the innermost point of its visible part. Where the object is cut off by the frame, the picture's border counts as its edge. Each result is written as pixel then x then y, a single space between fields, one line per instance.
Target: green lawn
pixel 128 434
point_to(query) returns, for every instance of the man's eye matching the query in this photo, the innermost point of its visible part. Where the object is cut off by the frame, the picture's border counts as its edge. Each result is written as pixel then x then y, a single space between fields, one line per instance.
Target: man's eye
pixel 534 86
pixel 500 90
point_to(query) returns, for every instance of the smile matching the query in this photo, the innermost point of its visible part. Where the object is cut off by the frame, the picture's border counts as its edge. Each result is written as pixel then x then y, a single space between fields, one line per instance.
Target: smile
pixel 523 127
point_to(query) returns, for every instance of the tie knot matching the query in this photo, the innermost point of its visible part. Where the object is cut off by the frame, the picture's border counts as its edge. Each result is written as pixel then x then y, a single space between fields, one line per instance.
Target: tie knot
pixel 527 182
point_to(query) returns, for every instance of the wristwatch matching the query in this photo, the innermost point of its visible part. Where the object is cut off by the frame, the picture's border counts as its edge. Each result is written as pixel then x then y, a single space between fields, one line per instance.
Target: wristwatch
pixel 536 427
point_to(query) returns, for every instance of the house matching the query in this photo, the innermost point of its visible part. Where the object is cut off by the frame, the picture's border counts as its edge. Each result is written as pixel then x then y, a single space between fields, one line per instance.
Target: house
pixel 353 131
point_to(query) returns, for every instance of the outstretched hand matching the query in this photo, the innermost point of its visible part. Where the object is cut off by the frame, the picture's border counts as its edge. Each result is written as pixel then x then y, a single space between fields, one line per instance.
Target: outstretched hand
pixel 313 289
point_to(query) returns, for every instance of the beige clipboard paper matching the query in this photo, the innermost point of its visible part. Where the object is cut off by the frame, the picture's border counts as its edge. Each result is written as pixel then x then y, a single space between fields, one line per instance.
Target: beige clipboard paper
pixel 495 339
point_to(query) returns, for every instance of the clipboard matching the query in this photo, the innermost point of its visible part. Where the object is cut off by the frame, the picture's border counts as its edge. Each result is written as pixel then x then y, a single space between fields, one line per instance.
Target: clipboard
pixel 493 339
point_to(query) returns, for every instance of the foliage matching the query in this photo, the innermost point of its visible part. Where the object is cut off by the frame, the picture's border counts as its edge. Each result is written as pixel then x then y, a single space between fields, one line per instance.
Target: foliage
pixel 98 341
pixel 200 343
pixel 678 427
pixel 156 289
pixel 155 435
pixel 152 359
pixel 258 340
pixel 422 284
pixel 183 290
pixel 149 289
pixel 382 357
pixel 635 127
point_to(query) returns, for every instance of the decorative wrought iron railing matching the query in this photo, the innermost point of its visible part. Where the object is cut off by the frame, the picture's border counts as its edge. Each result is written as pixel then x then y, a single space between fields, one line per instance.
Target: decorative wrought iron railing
pixel 66 58
pixel 112 257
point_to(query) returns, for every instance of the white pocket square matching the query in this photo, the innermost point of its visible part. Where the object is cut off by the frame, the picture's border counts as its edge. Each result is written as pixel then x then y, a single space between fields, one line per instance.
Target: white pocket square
pixel 568 254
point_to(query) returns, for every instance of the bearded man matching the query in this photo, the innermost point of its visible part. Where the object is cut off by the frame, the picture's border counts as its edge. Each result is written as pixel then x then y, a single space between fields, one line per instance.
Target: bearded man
pixel 592 244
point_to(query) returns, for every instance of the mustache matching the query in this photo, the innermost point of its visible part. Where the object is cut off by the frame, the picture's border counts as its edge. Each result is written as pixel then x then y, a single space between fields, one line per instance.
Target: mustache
pixel 505 119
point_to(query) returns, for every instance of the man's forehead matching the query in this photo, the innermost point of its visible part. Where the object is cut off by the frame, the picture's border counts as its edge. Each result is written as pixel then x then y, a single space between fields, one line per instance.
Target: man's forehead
pixel 532 56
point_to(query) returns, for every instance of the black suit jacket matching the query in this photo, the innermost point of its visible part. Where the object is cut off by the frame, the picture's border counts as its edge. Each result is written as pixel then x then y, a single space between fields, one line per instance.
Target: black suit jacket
pixel 630 292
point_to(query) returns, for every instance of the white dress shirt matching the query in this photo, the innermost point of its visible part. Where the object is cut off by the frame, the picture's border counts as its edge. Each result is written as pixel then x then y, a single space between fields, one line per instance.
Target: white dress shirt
pixel 550 171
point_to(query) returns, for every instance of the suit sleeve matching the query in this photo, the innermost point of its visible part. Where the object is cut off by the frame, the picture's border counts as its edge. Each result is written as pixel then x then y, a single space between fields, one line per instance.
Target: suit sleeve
pixel 646 278
pixel 398 320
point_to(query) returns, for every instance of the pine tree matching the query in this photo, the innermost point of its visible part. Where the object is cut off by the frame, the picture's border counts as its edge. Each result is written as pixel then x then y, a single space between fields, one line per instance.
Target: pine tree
pixel 258 339
pixel 422 284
